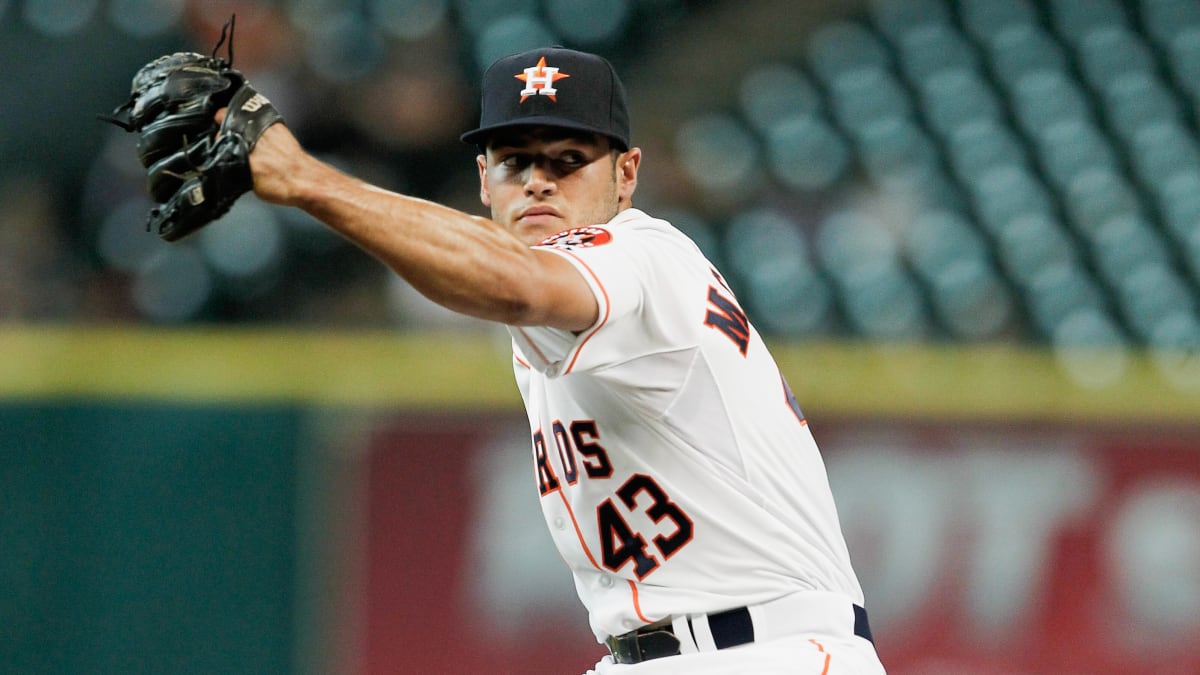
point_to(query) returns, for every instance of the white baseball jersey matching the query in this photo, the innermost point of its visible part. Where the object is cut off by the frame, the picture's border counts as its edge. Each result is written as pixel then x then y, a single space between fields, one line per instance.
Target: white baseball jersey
pixel 676 472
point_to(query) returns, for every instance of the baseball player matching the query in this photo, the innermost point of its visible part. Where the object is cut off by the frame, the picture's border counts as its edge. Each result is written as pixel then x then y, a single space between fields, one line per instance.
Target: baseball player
pixel 676 472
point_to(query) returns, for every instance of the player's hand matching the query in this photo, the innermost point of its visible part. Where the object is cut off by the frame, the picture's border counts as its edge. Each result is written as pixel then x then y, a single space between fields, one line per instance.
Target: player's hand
pixel 274 163
pixel 196 165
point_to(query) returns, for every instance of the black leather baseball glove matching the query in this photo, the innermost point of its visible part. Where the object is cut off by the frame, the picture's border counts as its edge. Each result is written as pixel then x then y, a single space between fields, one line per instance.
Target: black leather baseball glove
pixel 195 169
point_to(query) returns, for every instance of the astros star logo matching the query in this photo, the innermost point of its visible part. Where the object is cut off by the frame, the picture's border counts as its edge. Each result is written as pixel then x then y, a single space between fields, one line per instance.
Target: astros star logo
pixel 539 80
pixel 579 237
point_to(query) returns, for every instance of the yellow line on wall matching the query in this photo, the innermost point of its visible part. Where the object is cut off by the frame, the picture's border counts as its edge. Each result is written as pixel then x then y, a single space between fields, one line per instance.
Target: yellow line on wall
pixel 473 371
pixel 213 365
pixel 991 382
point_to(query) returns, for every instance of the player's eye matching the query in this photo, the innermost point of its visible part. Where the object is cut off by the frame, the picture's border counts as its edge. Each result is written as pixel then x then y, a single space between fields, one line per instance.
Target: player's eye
pixel 572 158
pixel 570 161
pixel 514 161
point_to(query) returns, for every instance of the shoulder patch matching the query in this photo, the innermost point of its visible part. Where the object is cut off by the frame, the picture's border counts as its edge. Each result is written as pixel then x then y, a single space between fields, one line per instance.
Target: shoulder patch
pixel 580 237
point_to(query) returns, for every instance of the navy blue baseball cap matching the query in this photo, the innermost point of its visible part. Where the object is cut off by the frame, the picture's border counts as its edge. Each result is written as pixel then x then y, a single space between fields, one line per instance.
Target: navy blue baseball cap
pixel 553 87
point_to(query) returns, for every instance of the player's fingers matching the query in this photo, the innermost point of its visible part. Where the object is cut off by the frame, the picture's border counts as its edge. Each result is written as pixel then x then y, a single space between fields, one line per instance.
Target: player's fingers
pixel 220 116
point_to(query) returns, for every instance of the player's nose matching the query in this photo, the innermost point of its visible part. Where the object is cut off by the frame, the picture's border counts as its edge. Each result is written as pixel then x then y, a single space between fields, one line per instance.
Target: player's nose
pixel 539 179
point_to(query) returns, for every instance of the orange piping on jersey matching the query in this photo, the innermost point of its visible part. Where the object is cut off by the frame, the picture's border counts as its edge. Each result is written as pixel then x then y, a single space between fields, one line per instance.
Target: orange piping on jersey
pixel 603 320
pixel 521 361
pixel 531 343
pixel 637 604
pixel 828 657
pixel 578 532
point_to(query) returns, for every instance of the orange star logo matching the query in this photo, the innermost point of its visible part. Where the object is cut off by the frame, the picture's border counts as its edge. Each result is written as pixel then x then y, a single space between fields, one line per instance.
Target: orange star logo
pixel 539 81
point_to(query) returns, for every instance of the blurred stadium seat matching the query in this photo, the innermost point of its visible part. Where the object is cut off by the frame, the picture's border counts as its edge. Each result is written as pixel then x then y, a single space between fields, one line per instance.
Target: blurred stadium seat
pixel 1020 48
pixel 983 19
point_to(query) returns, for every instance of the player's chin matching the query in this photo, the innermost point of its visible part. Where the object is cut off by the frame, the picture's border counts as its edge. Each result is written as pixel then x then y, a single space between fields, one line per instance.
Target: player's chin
pixel 537 229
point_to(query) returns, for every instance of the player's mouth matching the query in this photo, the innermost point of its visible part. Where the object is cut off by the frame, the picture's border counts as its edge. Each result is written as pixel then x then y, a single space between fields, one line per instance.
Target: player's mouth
pixel 539 215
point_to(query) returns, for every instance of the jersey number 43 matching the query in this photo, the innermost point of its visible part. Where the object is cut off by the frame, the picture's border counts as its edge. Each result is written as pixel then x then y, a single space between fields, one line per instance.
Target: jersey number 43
pixel 620 542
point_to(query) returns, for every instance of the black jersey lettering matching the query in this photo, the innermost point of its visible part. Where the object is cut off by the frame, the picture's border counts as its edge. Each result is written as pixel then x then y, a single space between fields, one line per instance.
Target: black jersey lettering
pixel 725 316
pixel 547 481
pixel 595 457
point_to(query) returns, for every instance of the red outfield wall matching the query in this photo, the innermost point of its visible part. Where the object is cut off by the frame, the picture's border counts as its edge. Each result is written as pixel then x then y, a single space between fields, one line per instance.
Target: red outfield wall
pixel 983 549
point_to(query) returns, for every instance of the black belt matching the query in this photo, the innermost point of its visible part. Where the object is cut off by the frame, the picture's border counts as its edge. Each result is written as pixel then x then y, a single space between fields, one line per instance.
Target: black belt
pixel 729 629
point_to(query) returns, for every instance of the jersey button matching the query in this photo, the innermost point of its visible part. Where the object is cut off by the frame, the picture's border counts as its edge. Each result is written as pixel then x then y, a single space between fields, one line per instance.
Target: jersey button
pixel 606 581
pixel 560 523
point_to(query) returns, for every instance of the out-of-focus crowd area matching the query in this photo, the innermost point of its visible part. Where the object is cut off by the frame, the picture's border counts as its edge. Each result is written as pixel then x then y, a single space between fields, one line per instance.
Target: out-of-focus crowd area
pixel 900 170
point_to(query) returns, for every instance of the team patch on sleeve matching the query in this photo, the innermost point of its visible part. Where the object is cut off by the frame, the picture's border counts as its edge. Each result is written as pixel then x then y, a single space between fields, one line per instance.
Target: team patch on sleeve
pixel 579 237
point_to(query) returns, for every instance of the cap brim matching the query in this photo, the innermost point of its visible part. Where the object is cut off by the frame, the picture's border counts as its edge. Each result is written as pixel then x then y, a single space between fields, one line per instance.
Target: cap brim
pixel 479 136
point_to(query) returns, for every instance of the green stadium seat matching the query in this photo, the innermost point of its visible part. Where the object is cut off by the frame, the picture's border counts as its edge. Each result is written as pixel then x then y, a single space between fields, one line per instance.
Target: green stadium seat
pixel 1166 19
pixel 806 153
pixel 785 290
pixel 1162 149
pixel 1124 243
pixel 985 18
pixel 1134 99
pixel 1008 191
pixel 954 97
pixel 1031 242
pixel 1056 291
pixel 839 47
pixel 776 91
pixel 925 49
pixel 976 148
pixel 1069 147
pixel 971 300
pixel 1183 60
pixel 938 237
pixel 1177 199
pixel 893 17
pixel 862 96
pixel 1074 19
pixel 1095 196
pixel 1109 52
pixel 1019 49
pixel 1041 97
pixel 1151 294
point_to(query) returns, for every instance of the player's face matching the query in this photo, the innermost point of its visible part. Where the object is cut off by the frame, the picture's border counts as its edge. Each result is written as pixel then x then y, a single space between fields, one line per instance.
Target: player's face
pixel 540 182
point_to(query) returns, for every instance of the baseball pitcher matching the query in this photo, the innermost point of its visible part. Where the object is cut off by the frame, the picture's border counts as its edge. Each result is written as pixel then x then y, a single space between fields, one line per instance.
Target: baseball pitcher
pixel 677 474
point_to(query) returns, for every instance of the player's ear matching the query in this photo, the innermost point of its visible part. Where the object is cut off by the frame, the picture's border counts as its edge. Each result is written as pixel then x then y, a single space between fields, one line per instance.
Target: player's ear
pixel 627 168
pixel 484 195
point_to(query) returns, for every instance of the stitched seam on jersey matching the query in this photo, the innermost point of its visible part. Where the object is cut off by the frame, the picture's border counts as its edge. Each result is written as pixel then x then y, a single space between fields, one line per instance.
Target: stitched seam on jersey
pixel 695 349
pixel 603 319
pixel 637 603
pixel 578 532
pixel 739 468
pixel 828 657
pixel 533 345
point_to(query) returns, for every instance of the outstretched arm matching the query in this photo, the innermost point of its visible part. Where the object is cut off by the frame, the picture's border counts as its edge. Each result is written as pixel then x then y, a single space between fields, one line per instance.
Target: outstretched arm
pixel 466 263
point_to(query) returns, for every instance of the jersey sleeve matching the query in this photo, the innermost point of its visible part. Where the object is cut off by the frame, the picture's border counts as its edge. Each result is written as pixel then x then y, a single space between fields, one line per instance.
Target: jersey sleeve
pixel 638 300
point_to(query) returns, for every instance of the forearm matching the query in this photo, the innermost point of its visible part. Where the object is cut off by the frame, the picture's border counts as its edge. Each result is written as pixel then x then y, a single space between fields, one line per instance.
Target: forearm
pixel 466 263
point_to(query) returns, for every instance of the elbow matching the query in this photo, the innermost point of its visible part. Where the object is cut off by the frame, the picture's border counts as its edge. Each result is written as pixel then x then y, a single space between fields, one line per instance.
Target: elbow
pixel 516 312
pixel 523 302
pixel 514 302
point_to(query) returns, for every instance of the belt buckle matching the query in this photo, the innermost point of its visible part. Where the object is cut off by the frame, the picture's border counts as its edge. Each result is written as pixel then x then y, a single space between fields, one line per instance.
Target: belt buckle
pixel 643 644
pixel 623 648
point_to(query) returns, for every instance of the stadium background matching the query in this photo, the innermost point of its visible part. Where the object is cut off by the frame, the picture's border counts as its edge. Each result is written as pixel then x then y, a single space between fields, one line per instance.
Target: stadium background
pixel 970 228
